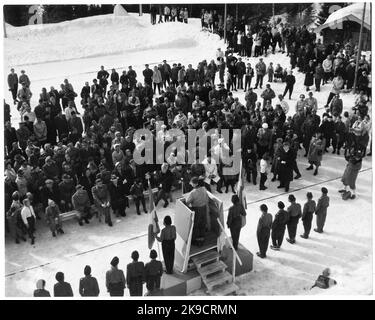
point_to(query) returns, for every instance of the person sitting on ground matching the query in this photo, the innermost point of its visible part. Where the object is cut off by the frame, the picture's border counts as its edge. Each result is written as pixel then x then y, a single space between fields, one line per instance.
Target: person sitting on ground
pixel 324 281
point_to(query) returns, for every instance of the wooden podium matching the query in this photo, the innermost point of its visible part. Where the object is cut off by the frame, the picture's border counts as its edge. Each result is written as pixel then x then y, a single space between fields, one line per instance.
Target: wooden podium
pixel 184 222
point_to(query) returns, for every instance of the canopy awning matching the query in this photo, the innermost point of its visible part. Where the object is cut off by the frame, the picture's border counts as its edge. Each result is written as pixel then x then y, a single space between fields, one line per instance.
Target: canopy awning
pixel 350 13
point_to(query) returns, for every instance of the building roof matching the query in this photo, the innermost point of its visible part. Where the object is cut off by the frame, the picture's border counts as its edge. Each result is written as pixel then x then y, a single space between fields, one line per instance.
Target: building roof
pixel 350 13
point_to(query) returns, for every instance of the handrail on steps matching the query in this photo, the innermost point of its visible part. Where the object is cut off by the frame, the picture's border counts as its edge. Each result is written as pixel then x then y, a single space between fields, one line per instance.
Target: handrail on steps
pixel 235 255
pixel 230 242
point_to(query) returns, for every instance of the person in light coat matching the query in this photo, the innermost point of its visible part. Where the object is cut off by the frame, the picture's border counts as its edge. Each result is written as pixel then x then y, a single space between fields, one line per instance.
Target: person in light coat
pixel 53 218
pixel 211 175
pixel 157 79
pixel 28 218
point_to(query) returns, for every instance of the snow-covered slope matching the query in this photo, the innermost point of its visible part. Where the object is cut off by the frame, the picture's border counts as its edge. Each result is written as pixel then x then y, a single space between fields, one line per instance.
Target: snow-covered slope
pixel 99 36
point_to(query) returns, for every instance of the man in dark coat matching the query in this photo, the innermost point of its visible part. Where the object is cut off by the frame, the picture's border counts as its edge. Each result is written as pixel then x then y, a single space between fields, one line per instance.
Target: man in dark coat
pixel 135 275
pixel 290 80
pixel 10 136
pixel 115 77
pixel 153 273
pixel 250 164
pixel 102 76
pixel 81 203
pixel 307 215
pixel 234 221
pixel 278 226
pixel 88 285
pixel 66 189
pixel 198 199
pixel 62 288
pixel 147 74
pixel 13 84
pixel 294 214
pixel 321 210
pixel 62 126
pixel 241 69
pixel 263 231
pixel 50 191
pixel 117 193
pixel 286 159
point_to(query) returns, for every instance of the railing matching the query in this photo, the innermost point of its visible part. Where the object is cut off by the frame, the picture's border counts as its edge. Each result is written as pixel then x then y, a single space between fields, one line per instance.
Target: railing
pixel 235 255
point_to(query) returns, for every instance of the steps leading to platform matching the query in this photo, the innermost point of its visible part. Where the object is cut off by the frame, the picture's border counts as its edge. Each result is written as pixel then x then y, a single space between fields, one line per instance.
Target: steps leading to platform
pixel 205 257
pixel 213 272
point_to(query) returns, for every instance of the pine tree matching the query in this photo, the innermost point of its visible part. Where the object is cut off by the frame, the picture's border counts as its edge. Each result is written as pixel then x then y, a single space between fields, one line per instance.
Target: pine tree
pixel 324 11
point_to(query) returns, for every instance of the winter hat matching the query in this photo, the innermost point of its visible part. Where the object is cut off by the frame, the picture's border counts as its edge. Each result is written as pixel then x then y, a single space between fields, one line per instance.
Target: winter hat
pixel 40 284
pixel 115 261
pixel 87 271
pixel 326 272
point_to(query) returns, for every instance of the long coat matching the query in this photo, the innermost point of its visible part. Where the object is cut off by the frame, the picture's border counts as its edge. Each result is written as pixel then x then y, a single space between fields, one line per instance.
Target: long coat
pixel 315 151
pixel 286 165
pixel 279 223
pixel 309 76
pixel 351 172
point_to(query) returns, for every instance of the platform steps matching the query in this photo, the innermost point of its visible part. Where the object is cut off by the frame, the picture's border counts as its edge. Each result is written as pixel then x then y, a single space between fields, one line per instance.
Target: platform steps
pixel 212 270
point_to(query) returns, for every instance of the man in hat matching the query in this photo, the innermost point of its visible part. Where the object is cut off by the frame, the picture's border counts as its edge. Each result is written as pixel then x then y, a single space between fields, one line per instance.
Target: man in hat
pixel 136 191
pixel 24 95
pixel 285 171
pixel 147 74
pixel 24 79
pixel 260 69
pixel 117 194
pixel 115 279
pixel 264 231
pixel 50 191
pixel 13 84
pixel 197 199
pixel 321 210
pixel 290 80
pixel 53 218
pixel 66 189
pixel 102 201
pixel 166 73
pixel 88 285
pixel 268 94
pixel 81 203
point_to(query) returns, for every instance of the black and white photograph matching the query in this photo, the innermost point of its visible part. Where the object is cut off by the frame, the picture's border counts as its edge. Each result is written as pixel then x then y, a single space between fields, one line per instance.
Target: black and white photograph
pixel 190 150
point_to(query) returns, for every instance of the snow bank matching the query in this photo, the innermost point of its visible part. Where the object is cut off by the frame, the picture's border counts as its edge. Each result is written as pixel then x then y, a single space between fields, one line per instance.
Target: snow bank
pixel 99 36
pixel 119 10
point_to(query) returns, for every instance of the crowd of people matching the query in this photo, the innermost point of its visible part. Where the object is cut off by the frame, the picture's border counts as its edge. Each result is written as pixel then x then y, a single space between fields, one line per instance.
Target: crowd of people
pixel 169 14
pixel 59 160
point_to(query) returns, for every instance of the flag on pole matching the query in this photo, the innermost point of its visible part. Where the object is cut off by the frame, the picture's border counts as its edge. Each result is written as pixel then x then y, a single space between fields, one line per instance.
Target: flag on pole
pixel 153 226
pixel 240 188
